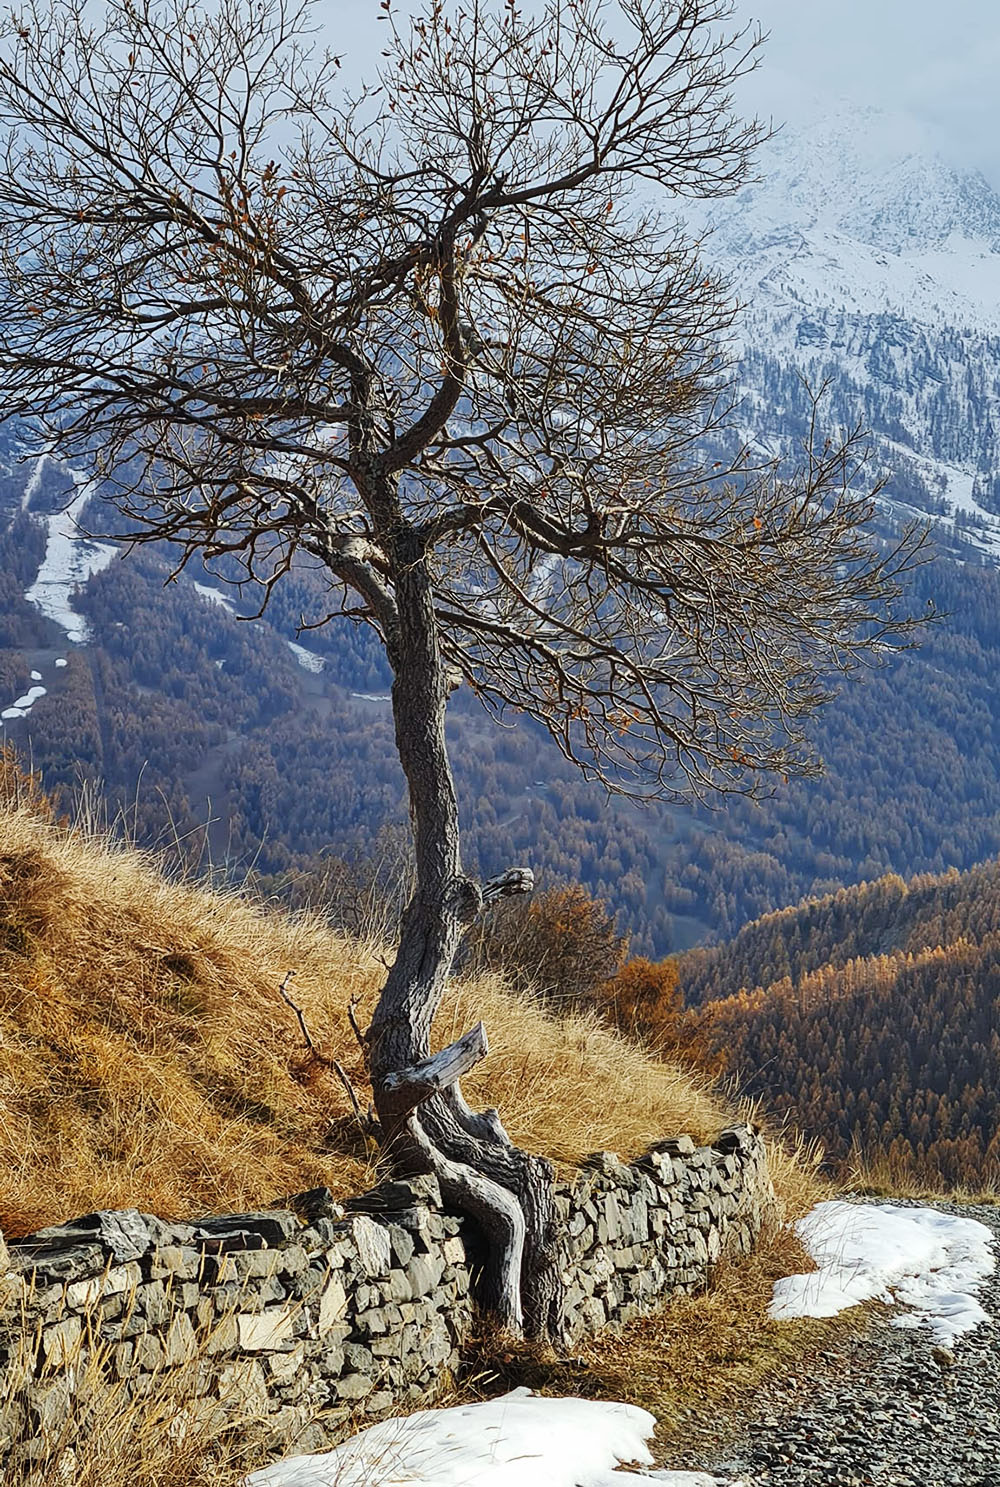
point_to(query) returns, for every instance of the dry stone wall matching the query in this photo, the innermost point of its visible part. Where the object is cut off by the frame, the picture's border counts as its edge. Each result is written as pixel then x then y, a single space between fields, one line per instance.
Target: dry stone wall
pixel 634 1235
pixel 301 1316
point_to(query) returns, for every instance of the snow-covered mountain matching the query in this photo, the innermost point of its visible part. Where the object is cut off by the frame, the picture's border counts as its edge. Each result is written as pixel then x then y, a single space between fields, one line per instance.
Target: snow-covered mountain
pixel 869 263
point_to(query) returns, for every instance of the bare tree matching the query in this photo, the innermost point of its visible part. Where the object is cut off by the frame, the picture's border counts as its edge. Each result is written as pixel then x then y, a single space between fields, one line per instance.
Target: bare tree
pixel 439 335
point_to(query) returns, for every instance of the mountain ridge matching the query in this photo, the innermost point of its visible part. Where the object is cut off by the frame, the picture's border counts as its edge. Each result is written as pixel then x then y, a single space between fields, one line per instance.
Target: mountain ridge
pixel 871 272
pixel 177 713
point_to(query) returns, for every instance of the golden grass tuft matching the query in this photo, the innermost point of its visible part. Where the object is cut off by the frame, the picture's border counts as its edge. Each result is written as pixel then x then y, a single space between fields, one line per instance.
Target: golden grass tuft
pixel 884 1174
pixel 147 1059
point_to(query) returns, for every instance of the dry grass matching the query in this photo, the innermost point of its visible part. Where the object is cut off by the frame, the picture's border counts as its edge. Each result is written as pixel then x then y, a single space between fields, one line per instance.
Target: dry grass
pixel 103 1432
pixel 881 1174
pixel 143 1443
pixel 695 1364
pixel 147 1059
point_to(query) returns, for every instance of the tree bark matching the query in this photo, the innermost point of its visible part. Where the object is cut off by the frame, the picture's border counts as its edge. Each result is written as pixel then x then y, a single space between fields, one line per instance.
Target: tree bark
pixel 426 1124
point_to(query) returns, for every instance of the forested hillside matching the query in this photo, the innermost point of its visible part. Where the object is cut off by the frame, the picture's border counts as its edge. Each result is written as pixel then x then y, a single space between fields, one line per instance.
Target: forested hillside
pixel 871 1018
pixel 181 713
pixel 869 919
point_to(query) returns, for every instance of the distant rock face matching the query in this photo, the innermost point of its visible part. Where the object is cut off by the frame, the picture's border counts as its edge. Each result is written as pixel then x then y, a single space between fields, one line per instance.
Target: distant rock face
pixel 868 263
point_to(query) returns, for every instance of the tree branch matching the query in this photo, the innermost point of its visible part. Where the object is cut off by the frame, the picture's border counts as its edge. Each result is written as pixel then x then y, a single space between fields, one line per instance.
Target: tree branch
pixel 408 1088
pixel 514 881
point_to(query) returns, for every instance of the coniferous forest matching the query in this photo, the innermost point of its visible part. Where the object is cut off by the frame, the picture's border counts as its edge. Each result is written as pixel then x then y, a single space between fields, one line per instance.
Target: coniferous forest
pixel 207 730
pixel 871 1019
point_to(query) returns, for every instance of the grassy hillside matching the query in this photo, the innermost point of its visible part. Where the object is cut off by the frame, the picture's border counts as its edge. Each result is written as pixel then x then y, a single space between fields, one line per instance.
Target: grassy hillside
pixel 147 1058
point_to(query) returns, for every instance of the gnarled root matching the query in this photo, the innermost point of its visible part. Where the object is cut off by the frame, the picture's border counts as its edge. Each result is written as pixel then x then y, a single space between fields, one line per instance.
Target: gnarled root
pixel 498 1214
pixel 508 1192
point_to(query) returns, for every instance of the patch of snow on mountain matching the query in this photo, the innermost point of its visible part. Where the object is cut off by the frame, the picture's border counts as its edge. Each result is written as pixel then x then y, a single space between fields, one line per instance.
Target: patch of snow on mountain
pixel 214 597
pixel 23 705
pixel 308 660
pixel 869 267
pixel 957 487
pixel 70 560
pixel 33 481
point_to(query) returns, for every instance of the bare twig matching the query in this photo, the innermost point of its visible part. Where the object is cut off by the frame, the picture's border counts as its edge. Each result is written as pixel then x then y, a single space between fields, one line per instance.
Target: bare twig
pixel 283 993
pixel 364 1121
pixel 355 1029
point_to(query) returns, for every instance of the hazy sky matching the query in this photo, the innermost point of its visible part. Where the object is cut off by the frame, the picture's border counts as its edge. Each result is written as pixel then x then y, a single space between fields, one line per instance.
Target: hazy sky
pixel 938 59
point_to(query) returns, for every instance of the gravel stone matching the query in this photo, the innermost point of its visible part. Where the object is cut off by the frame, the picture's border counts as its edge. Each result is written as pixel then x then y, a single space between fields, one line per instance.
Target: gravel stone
pixel 888 1409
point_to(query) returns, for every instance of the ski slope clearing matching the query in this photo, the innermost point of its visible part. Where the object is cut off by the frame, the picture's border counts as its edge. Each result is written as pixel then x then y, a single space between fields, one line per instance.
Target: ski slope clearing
pixel 70 559
pixel 929 1261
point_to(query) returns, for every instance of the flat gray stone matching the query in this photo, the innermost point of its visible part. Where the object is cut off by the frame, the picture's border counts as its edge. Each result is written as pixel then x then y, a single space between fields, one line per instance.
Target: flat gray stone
pixel 121 1233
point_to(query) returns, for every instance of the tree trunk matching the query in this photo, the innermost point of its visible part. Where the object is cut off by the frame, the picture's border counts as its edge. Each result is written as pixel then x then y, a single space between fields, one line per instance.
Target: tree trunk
pixel 426 1124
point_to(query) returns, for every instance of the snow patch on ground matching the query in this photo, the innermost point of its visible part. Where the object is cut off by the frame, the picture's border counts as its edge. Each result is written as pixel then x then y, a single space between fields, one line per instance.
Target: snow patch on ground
pixel 518 1440
pixel 678 1479
pixel 308 660
pixel 70 560
pixel 929 1261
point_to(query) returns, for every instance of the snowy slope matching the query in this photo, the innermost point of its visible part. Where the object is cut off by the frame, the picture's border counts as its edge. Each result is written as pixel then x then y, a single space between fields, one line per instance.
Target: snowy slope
pixel 70 560
pixel 869 263
pixel 858 213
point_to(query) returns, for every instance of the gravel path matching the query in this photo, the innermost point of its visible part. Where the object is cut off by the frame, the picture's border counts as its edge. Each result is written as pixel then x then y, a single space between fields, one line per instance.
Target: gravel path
pixel 888 1409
